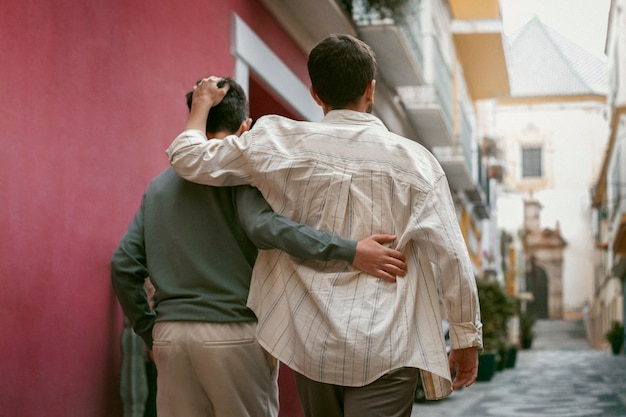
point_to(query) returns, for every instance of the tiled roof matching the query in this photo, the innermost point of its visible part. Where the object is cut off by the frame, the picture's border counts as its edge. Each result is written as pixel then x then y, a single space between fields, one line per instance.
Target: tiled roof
pixel 544 63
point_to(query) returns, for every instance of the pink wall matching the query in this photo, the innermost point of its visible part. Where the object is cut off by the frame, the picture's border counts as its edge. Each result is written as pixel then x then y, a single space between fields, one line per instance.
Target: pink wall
pixel 92 94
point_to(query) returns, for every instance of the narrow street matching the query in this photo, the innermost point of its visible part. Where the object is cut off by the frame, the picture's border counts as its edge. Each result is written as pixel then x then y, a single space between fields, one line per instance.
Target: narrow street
pixel 561 376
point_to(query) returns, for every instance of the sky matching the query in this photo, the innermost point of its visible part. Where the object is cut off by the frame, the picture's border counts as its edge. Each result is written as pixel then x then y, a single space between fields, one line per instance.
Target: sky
pixel 581 21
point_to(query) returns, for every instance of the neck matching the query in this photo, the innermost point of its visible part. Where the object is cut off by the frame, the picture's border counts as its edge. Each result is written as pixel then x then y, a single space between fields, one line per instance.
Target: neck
pixel 218 135
pixel 362 107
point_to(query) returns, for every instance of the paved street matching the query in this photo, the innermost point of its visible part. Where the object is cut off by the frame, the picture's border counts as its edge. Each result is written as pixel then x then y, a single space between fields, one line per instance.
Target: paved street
pixel 561 376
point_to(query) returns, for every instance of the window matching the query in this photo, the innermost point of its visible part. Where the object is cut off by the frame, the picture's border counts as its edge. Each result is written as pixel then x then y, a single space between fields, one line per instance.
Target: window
pixel 531 162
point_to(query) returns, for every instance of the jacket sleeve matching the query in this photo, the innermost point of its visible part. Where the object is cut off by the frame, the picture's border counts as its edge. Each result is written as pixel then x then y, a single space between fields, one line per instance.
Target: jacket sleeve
pixel 128 274
pixel 269 230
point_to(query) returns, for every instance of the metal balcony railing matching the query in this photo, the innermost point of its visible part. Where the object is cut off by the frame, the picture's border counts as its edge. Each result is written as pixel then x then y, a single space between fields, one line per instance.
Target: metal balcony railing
pixel 443 84
pixel 397 43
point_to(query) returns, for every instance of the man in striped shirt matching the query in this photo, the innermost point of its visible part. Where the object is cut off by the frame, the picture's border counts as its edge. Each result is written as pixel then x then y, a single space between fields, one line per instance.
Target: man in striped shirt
pixel 356 343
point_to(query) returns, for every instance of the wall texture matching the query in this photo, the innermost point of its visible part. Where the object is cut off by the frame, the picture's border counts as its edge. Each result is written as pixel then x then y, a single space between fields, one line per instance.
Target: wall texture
pixel 92 94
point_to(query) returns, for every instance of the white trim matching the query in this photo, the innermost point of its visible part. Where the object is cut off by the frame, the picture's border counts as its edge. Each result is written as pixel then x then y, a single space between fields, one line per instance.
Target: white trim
pixel 242 75
pixel 252 54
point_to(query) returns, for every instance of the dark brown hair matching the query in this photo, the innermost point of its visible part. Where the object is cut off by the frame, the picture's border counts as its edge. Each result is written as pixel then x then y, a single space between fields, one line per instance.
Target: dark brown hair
pixel 341 67
pixel 230 112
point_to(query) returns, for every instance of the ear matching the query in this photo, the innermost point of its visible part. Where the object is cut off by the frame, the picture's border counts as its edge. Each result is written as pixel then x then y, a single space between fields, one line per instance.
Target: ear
pixel 318 100
pixel 245 126
pixel 369 92
pixel 315 97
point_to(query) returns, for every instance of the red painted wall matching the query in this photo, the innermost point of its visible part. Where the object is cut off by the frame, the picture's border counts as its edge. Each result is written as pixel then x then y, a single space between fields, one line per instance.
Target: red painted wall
pixel 92 94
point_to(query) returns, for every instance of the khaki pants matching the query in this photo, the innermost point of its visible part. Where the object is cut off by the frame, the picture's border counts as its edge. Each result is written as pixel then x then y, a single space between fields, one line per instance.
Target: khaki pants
pixel 391 395
pixel 213 370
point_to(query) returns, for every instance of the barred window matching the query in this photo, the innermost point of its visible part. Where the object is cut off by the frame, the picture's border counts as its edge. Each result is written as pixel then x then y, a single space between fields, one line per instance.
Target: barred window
pixel 531 162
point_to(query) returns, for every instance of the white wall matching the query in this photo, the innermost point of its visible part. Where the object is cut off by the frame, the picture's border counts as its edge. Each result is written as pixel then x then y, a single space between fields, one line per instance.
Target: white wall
pixel 574 137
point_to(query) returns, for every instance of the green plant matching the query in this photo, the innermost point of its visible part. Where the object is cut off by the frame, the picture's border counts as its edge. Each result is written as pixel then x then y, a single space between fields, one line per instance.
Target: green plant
pixel 615 336
pixel 496 307
pixel 394 9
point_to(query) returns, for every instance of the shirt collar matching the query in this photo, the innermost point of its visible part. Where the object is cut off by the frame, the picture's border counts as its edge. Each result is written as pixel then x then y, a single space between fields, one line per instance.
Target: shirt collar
pixel 352 117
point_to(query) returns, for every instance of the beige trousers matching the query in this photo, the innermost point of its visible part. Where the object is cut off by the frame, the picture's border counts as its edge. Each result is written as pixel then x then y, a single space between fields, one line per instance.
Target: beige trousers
pixel 213 370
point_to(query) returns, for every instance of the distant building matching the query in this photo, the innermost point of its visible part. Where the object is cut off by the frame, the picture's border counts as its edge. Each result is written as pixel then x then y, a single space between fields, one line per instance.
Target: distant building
pixel 609 193
pixel 551 134
pixel 543 277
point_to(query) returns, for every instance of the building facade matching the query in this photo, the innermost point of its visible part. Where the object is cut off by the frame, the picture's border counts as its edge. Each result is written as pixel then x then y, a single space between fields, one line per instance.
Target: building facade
pixel 609 193
pixel 551 134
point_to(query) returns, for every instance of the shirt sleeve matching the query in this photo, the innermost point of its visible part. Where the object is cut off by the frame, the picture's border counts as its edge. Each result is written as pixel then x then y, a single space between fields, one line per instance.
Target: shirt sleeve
pixel 441 240
pixel 128 274
pixel 217 162
pixel 269 230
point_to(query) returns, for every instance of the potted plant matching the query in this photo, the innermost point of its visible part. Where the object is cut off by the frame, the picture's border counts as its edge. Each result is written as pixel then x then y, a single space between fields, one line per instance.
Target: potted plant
pixel 495 310
pixel 382 9
pixel 511 356
pixel 508 351
pixel 615 336
pixel 526 330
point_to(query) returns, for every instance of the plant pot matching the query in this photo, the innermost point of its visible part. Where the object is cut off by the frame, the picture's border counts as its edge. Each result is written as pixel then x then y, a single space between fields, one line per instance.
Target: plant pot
pixel 486 366
pixel 527 342
pixel 501 359
pixel 615 336
pixel 616 347
pixel 511 358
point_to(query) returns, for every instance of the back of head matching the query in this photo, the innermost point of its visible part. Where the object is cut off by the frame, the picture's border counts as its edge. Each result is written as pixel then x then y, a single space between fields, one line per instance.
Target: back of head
pixel 230 112
pixel 341 67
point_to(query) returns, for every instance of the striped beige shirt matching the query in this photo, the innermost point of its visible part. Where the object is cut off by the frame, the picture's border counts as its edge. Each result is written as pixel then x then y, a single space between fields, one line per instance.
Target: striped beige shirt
pixel 350 176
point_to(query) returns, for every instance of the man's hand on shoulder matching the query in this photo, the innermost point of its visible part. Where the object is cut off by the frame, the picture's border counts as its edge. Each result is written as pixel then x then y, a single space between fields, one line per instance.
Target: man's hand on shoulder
pixel 378 260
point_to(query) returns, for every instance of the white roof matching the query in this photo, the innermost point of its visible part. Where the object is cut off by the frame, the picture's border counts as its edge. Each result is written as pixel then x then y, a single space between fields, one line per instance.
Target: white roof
pixel 543 63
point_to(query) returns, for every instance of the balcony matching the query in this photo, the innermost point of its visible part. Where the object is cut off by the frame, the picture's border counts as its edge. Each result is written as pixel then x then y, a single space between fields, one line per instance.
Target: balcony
pixel 616 179
pixel 619 266
pixel 414 56
pixel 308 22
pixel 429 115
pixel 456 166
pixel 397 46
pixel 463 163
pixel 398 53
pixel 411 61
pixel 619 241
pixel 477 33
pixel 479 193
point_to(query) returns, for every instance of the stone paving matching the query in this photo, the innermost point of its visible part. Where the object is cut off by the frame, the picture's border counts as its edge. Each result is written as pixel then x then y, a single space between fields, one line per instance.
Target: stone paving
pixel 561 376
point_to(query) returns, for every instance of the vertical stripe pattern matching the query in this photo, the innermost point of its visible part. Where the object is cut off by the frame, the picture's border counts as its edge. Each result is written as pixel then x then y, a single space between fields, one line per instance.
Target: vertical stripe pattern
pixel 350 176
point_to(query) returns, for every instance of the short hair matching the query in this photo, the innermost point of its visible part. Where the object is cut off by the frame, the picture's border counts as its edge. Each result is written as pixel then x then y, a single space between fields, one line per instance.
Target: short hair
pixel 340 68
pixel 228 114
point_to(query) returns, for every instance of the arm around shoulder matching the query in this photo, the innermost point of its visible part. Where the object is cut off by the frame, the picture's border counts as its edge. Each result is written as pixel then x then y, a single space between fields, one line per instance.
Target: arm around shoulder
pixel 269 230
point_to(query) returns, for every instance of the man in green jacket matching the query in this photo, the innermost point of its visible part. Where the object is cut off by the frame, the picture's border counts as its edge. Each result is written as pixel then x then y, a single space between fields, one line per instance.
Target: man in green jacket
pixel 198 244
